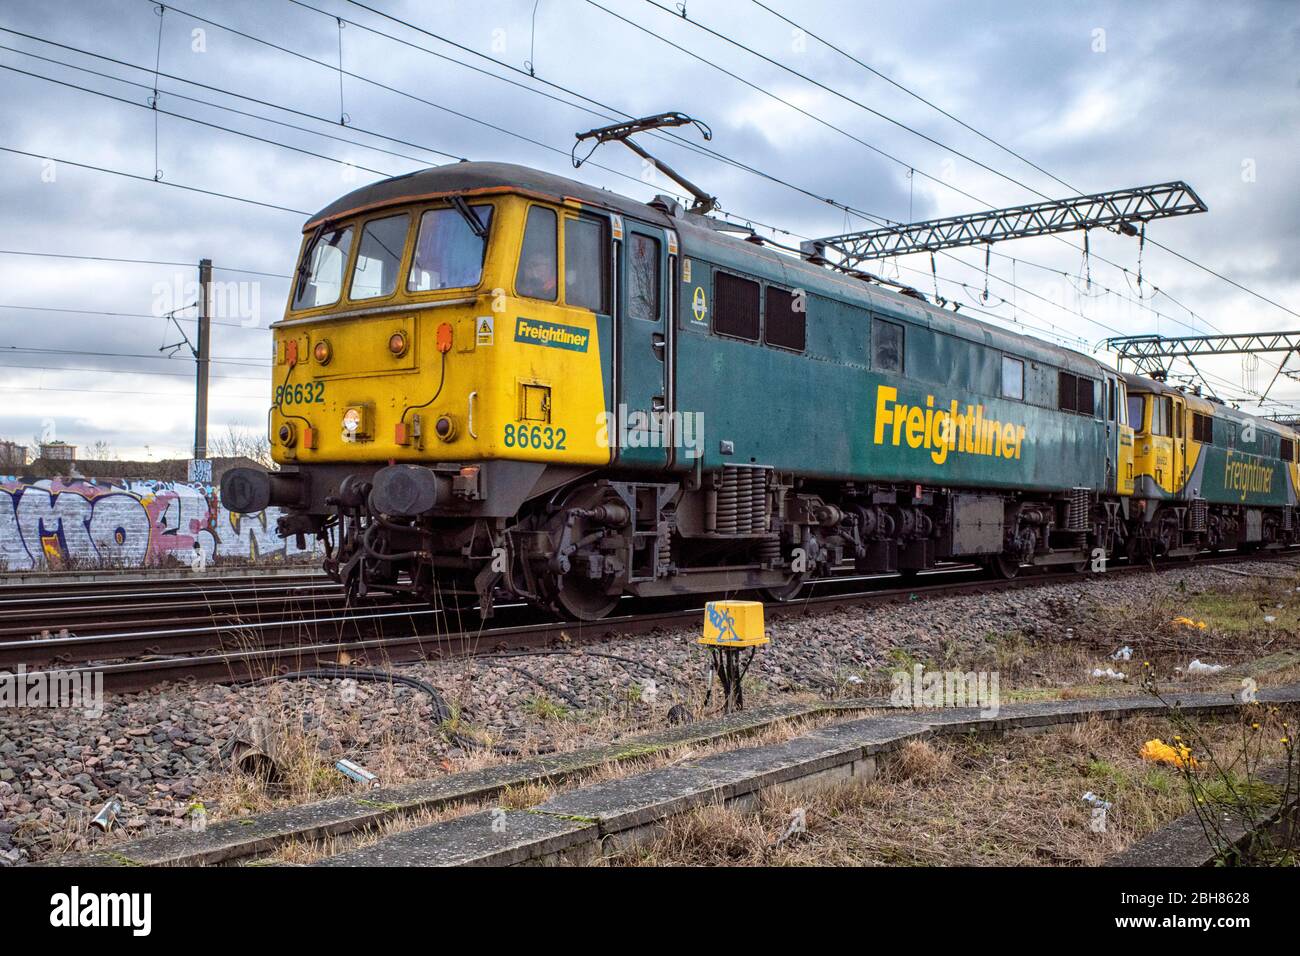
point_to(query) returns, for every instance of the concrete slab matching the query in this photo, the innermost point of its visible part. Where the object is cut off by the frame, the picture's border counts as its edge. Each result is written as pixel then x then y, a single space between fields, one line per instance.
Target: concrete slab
pixel 648 797
pixel 876 734
pixel 757 768
pixel 490 838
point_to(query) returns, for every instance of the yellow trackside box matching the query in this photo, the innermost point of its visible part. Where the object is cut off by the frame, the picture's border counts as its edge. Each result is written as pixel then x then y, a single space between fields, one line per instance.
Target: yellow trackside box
pixel 733 624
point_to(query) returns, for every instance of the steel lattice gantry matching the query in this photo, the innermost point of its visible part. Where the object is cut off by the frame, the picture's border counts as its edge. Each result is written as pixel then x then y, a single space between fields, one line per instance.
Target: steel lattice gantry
pixel 1121 209
pixel 1152 353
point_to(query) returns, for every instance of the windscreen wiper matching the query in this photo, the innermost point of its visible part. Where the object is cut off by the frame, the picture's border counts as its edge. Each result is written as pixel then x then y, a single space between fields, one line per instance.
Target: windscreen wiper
pixel 304 267
pixel 470 216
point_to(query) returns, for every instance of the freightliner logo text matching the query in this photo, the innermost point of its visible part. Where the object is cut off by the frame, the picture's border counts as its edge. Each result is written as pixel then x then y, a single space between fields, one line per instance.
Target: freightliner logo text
pixel 536 332
pixel 941 431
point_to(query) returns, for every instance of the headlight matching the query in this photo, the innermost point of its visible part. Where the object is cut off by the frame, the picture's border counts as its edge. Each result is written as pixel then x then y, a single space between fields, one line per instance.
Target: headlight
pixel 358 422
pixel 323 352
pixel 397 344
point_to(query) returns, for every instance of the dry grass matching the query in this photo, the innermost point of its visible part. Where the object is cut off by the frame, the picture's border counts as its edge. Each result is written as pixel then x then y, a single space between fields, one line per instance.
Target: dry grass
pixel 1057 663
pixel 531 794
pixel 1010 801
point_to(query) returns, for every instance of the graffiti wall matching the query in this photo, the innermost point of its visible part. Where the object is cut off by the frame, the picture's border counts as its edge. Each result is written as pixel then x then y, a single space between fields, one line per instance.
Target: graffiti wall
pixel 56 523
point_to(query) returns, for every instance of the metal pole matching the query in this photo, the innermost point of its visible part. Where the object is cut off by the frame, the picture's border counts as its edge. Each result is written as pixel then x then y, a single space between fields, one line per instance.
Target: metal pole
pixel 202 358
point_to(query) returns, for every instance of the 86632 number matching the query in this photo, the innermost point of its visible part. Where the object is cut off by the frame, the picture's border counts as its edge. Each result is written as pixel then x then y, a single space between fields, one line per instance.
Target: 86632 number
pixel 540 437
pixel 308 393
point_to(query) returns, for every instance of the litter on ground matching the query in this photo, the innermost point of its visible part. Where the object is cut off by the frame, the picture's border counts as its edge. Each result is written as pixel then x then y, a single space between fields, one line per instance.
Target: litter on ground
pixel 1158 751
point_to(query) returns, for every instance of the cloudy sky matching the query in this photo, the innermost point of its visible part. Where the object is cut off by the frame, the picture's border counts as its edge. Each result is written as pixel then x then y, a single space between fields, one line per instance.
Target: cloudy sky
pixel 1101 95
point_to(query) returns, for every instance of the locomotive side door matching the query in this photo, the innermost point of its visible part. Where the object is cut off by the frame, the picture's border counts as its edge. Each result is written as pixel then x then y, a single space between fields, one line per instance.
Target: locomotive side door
pixel 642 417
pixel 1178 435
pixel 1110 414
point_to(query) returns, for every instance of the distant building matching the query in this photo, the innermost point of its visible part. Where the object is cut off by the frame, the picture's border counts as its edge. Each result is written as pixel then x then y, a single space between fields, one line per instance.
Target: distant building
pixel 168 469
pixel 12 455
pixel 58 451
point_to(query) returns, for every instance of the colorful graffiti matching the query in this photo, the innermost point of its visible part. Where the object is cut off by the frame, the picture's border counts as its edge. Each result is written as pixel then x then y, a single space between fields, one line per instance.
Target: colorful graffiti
pixel 55 523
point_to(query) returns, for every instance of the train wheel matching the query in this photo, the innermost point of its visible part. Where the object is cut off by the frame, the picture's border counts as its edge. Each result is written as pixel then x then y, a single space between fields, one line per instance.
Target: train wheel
pixel 784 593
pixel 574 594
pixel 1005 566
pixel 583 599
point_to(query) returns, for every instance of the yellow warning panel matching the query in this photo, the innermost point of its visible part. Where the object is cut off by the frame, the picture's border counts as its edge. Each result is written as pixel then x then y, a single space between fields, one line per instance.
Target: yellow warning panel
pixel 734 624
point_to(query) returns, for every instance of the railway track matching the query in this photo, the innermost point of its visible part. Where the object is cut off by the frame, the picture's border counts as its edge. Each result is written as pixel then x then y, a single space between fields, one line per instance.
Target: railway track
pixel 330 634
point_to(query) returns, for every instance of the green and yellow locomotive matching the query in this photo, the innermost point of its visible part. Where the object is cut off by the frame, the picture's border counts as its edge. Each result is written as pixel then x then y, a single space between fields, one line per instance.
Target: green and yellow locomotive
pixel 492 381
pixel 1208 476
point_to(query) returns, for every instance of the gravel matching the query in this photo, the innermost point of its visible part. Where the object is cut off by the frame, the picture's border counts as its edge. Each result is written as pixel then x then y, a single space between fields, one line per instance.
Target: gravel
pixel 159 752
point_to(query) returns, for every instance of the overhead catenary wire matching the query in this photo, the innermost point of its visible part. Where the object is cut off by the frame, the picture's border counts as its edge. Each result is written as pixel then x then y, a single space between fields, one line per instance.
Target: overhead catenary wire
pixel 214 89
pixel 491 59
pixel 108 391
pixel 131 315
pixel 146 262
pixel 128 371
pixel 900 162
pixel 820 198
pixel 602 110
pixel 423 49
pixel 713 153
pixel 250 361
pixel 160 182
pixel 912 93
pixel 843 96
pixel 192 119
pixel 1188 259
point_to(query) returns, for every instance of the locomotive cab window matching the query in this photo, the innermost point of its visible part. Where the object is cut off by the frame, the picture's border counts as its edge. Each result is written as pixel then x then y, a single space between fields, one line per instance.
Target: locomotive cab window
pixel 786 324
pixel 1136 405
pixel 1013 378
pixel 379 256
pixel 586 264
pixel 538 267
pixel 320 277
pixel 643 277
pixel 448 251
pixel 735 306
pixel 886 346
pixel 1287 450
